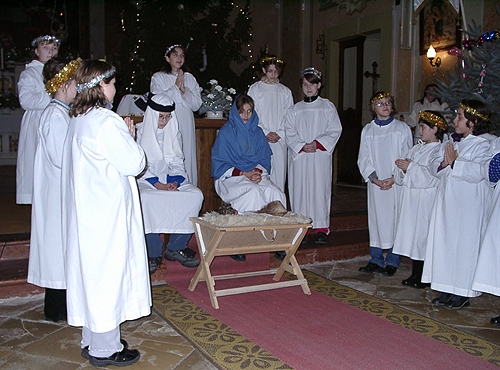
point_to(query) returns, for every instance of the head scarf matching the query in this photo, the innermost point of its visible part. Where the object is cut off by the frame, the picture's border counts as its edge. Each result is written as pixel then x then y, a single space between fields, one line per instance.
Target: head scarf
pixel 160 155
pixel 240 145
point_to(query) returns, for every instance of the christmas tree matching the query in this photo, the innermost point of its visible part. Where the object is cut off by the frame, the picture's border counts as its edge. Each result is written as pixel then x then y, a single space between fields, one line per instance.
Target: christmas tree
pixel 477 75
pixel 215 33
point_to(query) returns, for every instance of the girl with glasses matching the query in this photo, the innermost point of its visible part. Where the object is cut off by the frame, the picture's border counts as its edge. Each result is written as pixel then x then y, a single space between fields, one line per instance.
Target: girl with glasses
pixel 383 140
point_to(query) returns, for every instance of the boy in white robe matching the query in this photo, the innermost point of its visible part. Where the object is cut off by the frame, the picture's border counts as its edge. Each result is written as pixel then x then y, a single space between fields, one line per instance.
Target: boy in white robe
pixel 419 189
pixel 486 277
pixel 33 99
pixel 460 211
pixel 168 198
pixel 383 140
pixel 272 101
pixel 312 129
pixel 46 261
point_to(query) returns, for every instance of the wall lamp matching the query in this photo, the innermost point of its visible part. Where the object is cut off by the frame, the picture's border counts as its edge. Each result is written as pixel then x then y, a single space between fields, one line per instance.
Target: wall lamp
pixel 321 46
pixel 431 55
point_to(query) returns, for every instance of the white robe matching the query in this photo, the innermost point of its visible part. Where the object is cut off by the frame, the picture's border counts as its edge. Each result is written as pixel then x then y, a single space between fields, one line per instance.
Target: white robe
pixel 185 105
pixel 46 261
pixel 246 196
pixel 458 219
pixel 310 174
pixel 419 189
pixel 166 211
pixel 380 146
pixel 106 261
pixel 271 104
pixel 33 99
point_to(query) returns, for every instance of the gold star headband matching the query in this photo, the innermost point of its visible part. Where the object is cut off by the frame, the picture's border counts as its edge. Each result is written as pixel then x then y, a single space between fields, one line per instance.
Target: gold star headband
pixel 64 75
pixel 272 59
pixel 381 95
pixel 474 112
pixel 434 119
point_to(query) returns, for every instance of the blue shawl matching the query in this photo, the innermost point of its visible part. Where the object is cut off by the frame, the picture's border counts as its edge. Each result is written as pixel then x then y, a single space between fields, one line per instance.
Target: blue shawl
pixel 240 145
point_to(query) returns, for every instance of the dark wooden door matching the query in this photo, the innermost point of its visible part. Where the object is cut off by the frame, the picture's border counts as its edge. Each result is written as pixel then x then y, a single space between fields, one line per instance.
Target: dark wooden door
pixel 349 108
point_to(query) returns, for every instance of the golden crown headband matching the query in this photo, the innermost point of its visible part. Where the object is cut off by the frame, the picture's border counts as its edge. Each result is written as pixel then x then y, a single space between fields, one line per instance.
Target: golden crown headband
pixel 172 47
pixel 47 38
pixel 64 75
pixel 272 60
pixel 382 95
pixel 474 112
pixel 434 119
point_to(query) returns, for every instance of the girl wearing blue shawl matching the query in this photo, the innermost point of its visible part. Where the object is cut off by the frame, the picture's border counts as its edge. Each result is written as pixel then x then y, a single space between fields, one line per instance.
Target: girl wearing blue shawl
pixel 241 161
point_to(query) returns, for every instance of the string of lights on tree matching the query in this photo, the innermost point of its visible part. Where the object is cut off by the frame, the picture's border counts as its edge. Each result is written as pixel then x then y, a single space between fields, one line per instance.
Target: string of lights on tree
pixel 135 57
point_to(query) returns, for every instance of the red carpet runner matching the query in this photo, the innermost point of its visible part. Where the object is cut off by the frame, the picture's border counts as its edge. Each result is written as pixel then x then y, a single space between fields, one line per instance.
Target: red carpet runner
pixel 316 331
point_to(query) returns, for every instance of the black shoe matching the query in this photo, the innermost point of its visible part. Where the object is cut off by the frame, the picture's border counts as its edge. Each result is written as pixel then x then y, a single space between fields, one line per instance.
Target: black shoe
pixel 442 299
pixel 239 257
pixel 389 270
pixel 54 307
pixel 183 256
pixel 152 266
pixel 419 285
pixel 370 268
pixel 495 321
pixel 123 358
pixel 408 282
pixel 320 238
pixel 457 302
pixel 280 255
pixel 85 350
pixel 189 252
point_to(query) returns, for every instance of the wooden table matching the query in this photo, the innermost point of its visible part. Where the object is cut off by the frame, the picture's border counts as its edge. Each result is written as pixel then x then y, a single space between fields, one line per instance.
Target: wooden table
pixel 216 241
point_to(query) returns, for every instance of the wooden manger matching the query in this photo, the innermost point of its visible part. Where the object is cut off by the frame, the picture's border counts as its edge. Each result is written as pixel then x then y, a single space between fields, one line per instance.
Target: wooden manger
pixel 216 241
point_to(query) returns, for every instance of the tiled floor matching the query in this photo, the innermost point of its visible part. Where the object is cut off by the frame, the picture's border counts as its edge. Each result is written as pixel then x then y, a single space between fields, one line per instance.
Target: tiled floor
pixel 27 341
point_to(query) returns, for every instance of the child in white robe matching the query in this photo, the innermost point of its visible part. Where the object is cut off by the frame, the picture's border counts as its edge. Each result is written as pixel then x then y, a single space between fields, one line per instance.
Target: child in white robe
pixel 46 262
pixel 486 277
pixel 312 129
pixel 168 198
pixel 33 99
pixel 272 101
pixel 460 211
pixel 106 261
pixel 419 189
pixel 383 140
pixel 182 87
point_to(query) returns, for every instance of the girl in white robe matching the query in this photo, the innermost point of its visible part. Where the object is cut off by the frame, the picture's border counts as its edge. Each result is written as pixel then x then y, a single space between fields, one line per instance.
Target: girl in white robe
pixel 486 276
pixel 33 99
pixel 312 129
pixel 168 198
pixel 419 189
pixel 46 261
pixel 460 211
pixel 106 262
pixel 183 89
pixel 383 140
pixel 272 101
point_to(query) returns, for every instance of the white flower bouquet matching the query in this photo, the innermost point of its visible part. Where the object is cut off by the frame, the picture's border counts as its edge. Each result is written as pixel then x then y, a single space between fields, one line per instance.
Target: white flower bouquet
pixel 217 98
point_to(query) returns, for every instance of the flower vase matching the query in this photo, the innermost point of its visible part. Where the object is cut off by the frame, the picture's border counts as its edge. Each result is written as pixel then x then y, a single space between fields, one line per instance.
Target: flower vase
pixel 218 114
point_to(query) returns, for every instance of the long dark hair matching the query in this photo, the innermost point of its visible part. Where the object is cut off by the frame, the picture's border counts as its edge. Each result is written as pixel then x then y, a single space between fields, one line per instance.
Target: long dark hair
pixel 167 68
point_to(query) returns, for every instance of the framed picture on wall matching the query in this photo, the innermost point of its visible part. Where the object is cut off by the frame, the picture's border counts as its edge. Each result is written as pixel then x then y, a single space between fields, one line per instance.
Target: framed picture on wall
pixel 439 26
